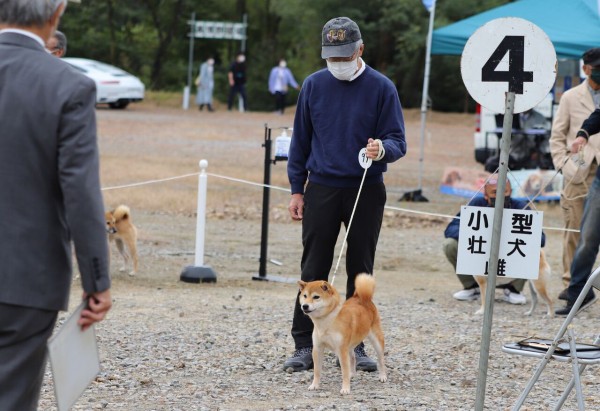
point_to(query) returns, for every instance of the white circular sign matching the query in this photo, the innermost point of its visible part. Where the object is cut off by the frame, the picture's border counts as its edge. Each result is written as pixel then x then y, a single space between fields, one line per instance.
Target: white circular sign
pixel 508 54
pixel 363 160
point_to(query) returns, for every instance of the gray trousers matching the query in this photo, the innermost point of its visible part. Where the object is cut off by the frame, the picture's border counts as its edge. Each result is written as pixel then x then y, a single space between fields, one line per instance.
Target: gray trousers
pixel 23 335
pixel 450 247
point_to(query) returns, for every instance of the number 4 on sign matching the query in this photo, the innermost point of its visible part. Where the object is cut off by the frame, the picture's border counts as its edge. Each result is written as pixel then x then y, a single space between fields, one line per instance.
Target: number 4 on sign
pixel 516 74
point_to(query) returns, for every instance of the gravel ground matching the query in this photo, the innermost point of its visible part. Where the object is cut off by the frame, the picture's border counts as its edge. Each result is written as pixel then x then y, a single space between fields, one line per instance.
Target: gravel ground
pixel 169 345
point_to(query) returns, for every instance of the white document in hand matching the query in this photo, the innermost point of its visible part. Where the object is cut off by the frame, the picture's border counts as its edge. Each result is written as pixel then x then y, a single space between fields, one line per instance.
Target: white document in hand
pixel 74 360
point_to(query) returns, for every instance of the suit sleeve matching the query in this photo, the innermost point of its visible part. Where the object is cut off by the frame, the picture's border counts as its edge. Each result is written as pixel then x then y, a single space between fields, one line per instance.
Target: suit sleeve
pixel 78 163
pixel 558 136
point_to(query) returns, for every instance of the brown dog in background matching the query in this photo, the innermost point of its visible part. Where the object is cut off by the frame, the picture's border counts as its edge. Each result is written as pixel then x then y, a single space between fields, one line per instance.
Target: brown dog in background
pixel 538 287
pixel 121 230
pixel 341 327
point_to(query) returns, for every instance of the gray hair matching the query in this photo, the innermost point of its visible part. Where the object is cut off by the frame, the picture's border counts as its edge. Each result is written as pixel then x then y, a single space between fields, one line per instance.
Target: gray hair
pixel 61 41
pixel 28 13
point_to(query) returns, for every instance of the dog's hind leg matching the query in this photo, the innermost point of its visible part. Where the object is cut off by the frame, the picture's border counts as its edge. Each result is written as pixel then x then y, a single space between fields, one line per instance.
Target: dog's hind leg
pixel 534 298
pixel 540 284
pixel 376 339
pixel 131 246
pixel 317 354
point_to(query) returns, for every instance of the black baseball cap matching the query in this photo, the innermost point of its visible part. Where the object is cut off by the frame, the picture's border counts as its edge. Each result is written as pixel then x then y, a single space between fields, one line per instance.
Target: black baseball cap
pixel 592 57
pixel 340 38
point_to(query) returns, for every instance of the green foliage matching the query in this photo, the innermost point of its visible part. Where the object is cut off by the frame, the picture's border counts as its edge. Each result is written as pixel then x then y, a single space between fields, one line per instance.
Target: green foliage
pixel 149 38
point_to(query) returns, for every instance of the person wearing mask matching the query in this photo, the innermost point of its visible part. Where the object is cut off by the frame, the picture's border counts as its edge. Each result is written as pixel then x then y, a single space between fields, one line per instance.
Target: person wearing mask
pixel 57 44
pixel 279 79
pixel 589 241
pixel 342 109
pixel 513 291
pixel 49 194
pixel 237 81
pixel 205 84
pixel 575 106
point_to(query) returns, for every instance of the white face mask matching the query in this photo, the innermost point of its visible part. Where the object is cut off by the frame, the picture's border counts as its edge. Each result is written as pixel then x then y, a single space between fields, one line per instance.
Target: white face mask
pixel 282 64
pixel 343 70
pixel 241 59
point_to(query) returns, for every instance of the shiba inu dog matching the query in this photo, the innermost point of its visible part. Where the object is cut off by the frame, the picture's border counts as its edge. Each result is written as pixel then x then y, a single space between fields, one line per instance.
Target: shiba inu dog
pixel 538 287
pixel 121 230
pixel 341 327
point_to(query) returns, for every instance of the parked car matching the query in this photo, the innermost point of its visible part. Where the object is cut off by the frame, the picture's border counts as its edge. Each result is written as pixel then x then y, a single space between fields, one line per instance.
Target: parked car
pixel 114 86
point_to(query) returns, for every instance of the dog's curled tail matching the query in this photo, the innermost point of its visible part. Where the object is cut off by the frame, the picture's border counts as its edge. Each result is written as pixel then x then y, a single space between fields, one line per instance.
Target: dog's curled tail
pixel 365 287
pixel 122 212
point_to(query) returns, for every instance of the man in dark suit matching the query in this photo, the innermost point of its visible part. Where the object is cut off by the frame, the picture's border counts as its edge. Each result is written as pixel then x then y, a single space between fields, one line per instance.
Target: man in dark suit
pixel 49 195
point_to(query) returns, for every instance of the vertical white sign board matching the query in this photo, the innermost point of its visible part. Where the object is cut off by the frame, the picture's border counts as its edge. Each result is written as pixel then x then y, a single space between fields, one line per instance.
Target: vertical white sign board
pixel 520 242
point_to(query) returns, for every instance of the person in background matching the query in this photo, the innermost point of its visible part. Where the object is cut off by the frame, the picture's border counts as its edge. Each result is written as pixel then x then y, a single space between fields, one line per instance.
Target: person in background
pixel 49 194
pixel 575 106
pixel 279 79
pixel 341 109
pixel 513 291
pixel 57 44
pixel 237 81
pixel 589 241
pixel 205 84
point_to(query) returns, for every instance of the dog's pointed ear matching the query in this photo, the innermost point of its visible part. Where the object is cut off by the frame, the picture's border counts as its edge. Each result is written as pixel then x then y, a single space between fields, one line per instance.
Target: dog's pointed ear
pixel 302 284
pixel 325 286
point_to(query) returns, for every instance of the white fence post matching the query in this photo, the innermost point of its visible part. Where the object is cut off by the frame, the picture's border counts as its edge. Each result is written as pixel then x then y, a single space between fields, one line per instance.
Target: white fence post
pixel 199 272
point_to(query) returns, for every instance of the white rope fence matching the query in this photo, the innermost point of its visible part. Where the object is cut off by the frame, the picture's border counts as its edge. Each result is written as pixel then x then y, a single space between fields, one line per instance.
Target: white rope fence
pixel 252 183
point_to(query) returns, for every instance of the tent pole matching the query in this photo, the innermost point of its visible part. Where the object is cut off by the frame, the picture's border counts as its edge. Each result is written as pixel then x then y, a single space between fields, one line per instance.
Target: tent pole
pixel 417 194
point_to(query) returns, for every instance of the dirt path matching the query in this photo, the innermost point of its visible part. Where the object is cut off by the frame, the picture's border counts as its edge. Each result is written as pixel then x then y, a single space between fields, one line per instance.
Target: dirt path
pixel 169 345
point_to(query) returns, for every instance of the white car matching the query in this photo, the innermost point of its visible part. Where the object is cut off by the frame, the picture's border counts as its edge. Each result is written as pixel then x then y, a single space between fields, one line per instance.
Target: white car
pixel 114 86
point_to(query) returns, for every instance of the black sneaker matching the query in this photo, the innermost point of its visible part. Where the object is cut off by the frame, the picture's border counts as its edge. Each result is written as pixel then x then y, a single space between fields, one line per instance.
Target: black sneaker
pixel 589 300
pixel 363 362
pixel 301 360
pixel 564 294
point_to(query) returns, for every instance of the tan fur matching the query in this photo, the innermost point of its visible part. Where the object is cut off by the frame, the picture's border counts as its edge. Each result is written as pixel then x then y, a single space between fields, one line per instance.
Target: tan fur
pixel 121 230
pixel 341 327
pixel 538 287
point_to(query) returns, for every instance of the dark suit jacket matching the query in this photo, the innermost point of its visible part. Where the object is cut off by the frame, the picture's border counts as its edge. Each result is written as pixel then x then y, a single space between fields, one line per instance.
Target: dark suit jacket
pixel 49 178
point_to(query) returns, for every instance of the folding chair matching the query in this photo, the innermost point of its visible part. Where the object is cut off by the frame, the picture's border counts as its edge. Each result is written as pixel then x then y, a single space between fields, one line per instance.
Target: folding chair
pixel 561 349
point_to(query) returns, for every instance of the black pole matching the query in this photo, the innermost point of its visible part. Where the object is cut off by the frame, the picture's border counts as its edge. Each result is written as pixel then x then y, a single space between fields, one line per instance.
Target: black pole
pixel 262 270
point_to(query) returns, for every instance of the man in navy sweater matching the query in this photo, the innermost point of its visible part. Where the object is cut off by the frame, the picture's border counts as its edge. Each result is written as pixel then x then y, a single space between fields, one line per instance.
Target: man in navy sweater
pixel 512 290
pixel 341 110
pixel 589 240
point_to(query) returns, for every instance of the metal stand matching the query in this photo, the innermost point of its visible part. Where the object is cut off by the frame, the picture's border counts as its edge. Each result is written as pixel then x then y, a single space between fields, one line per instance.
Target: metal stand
pixel 264 236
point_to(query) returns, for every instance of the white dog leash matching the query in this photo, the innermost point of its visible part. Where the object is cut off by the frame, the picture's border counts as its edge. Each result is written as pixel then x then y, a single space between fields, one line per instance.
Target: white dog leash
pixel 365 163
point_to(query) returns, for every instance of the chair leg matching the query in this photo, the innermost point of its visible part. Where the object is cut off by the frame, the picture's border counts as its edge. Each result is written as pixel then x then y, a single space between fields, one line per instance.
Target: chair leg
pixel 576 378
pixel 569 388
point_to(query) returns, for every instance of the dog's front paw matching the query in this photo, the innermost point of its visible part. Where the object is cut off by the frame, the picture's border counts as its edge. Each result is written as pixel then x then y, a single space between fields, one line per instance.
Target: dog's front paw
pixel 345 390
pixel 313 387
pixel 383 377
pixel 479 312
pixel 122 269
pixel 132 273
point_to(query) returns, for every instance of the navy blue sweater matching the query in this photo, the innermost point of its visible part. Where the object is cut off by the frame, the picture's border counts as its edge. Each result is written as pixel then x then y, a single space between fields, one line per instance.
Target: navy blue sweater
pixel 454 227
pixel 334 120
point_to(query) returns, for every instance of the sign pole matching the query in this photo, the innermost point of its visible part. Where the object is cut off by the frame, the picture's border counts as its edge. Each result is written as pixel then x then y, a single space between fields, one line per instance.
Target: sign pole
pixel 188 87
pixel 494 252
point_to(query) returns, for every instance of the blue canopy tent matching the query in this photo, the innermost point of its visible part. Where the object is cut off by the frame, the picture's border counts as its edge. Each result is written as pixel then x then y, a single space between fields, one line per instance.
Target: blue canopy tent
pixel 572 26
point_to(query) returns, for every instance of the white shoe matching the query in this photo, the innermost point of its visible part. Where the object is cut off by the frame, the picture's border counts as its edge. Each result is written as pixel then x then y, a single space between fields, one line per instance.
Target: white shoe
pixel 513 298
pixel 467 295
